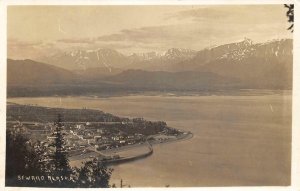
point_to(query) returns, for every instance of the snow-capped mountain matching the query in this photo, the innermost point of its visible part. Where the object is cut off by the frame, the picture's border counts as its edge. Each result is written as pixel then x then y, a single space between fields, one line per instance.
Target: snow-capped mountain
pixel 177 59
pixel 162 62
pixel 276 49
pixel 83 59
pixel 237 65
pixel 236 52
pixel 137 57
pixel 109 58
pixel 179 53
pixel 257 65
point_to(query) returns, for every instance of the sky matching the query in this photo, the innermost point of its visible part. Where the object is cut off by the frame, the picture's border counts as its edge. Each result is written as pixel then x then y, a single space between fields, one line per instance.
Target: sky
pixel 37 31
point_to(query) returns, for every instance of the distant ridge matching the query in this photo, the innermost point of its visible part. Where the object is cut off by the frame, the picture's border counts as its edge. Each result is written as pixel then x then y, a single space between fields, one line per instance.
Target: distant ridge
pixel 173 59
pixel 241 65
pixel 85 59
pixel 158 80
pixel 29 72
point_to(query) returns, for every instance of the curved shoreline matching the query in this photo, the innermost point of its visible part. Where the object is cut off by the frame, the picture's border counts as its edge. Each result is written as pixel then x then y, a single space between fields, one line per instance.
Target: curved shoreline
pixel 150 145
pixel 188 136
pixel 131 158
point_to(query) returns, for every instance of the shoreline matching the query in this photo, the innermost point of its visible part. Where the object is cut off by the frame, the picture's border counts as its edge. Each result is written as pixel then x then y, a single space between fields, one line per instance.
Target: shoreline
pixel 201 93
pixel 115 155
pixel 149 144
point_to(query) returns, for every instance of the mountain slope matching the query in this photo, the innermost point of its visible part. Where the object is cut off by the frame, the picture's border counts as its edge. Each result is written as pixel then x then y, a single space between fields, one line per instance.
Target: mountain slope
pixel 163 62
pixel 109 58
pixel 29 72
pixel 239 53
pixel 158 80
pixel 84 59
pixel 240 65
pixel 95 74
pixel 264 65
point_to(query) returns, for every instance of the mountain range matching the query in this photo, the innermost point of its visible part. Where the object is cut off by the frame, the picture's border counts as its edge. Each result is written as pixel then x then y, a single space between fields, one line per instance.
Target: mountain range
pixel 238 65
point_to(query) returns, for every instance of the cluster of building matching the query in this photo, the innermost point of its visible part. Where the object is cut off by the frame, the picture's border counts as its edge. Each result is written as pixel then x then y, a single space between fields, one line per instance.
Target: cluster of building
pixel 79 137
pixel 84 138
pixel 84 135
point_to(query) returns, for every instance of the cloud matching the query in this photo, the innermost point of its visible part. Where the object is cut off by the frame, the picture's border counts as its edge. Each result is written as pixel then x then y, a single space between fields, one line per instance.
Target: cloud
pixel 112 37
pixel 160 36
pixel 24 44
pixel 200 14
pixel 76 41
pixel 195 28
pixel 18 49
pixel 143 34
pixel 238 14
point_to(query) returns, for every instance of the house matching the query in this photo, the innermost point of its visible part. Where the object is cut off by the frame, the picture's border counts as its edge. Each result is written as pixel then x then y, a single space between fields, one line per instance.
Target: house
pixel 91 141
pixel 80 127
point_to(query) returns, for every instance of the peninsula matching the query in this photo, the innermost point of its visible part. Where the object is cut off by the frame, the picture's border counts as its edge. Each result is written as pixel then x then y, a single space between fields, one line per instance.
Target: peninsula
pixel 91 134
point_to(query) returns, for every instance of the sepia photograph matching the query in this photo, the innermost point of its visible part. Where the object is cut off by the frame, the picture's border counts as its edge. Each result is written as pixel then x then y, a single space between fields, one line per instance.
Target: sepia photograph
pixel 131 96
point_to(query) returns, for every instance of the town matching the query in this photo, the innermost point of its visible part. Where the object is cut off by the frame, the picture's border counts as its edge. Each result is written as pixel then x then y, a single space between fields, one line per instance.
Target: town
pixel 89 133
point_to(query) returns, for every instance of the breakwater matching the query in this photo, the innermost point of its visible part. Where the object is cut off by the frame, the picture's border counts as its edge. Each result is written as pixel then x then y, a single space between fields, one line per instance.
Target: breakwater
pixel 150 151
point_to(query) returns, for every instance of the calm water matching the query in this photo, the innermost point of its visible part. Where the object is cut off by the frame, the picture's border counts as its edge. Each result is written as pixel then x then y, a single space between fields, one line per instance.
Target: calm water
pixel 238 140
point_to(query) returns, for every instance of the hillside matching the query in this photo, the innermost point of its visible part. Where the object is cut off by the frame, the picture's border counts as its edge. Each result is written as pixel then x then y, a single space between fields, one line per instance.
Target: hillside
pixel 163 62
pixel 241 65
pixel 264 65
pixel 85 59
pixel 110 59
pixel 161 80
pixel 95 74
pixel 29 72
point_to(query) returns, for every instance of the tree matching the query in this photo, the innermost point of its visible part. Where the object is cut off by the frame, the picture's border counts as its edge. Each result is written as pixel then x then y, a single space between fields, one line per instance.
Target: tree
pixel 290 15
pixel 93 174
pixel 60 162
pixel 21 159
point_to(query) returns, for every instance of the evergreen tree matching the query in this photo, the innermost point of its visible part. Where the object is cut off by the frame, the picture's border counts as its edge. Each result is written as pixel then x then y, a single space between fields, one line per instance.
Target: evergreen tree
pixel 93 174
pixel 60 162
pixel 290 15
pixel 21 159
